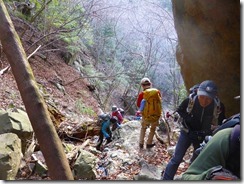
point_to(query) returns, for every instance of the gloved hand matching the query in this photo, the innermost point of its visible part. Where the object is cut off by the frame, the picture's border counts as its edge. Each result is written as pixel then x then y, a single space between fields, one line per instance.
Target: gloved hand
pixel 167 115
pixel 138 113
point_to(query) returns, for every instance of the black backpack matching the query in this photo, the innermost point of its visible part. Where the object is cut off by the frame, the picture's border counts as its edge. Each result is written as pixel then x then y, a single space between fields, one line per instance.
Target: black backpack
pixel 228 123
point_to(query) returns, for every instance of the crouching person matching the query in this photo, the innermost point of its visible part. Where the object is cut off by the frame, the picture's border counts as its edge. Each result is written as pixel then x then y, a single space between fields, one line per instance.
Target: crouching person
pixel 105 130
pixel 106 122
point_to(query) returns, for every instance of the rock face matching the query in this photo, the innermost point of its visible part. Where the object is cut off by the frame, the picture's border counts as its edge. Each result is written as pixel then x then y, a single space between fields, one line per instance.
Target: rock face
pixel 10 157
pixel 16 121
pixel 209 45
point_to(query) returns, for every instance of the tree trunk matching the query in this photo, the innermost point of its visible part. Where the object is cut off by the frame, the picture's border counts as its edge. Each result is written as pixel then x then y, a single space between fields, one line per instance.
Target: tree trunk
pixel 50 144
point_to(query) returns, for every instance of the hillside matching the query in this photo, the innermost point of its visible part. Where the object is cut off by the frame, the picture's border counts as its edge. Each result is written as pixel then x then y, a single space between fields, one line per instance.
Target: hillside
pixel 50 71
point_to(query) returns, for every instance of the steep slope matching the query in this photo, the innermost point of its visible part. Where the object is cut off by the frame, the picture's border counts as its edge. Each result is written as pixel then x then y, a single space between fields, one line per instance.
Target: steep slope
pixel 59 83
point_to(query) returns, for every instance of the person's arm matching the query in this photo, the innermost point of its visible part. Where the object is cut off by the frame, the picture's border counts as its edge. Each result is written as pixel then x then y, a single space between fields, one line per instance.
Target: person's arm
pixel 139 99
pixel 215 153
pixel 182 108
pixel 142 105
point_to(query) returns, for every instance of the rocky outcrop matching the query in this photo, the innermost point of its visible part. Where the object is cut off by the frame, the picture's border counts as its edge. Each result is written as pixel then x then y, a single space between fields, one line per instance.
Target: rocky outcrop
pixel 209 45
pixel 84 167
pixel 10 156
pixel 16 121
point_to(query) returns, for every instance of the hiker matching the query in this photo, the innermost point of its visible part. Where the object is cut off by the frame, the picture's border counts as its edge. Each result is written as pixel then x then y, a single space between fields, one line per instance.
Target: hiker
pixel 219 159
pixel 105 131
pixel 149 104
pixel 197 123
pixel 118 112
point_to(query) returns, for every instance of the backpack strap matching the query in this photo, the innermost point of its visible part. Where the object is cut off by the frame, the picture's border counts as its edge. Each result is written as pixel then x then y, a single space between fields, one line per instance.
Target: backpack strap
pixel 217 111
pixel 192 98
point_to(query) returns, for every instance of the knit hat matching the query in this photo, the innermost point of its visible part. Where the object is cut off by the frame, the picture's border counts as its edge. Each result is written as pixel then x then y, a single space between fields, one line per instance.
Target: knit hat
pixel 207 88
pixel 145 81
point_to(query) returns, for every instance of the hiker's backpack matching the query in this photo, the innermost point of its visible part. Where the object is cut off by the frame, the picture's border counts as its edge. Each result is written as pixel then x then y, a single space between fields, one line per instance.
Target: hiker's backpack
pixel 153 106
pixel 122 112
pixel 103 117
pixel 229 122
pixel 216 112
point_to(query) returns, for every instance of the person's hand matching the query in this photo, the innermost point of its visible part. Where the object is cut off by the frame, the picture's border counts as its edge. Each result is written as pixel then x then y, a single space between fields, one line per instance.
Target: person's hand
pixel 138 113
pixel 168 115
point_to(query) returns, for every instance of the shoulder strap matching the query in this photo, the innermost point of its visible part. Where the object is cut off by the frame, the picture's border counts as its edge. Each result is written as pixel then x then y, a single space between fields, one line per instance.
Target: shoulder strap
pixel 217 111
pixel 192 98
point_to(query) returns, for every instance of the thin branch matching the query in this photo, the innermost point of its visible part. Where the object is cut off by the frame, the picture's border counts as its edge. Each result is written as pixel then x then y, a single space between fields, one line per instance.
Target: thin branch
pixel 34 51
pixel 99 77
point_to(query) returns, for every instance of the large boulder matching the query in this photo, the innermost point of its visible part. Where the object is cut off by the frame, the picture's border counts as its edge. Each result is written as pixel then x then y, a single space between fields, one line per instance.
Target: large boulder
pixel 10 156
pixel 84 167
pixel 209 45
pixel 16 121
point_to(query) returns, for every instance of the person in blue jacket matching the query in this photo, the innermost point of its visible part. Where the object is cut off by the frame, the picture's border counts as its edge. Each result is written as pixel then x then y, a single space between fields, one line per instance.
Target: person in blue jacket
pixel 105 129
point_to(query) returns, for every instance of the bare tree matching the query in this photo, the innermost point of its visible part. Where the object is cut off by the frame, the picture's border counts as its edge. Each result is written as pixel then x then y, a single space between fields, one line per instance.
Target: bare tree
pixel 36 108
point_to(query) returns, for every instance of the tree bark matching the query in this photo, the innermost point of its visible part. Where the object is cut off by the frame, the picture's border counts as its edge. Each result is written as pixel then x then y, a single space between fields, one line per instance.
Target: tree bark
pixel 50 144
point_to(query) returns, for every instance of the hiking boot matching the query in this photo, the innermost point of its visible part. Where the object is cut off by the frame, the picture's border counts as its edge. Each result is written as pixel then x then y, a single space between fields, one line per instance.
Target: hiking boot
pixel 108 141
pixel 150 145
pixel 98 148
pixel 141 146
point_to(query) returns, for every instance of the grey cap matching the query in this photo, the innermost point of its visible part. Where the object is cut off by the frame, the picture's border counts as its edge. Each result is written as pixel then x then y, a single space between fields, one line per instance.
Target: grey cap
pixel 114 108
pixel 208 88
